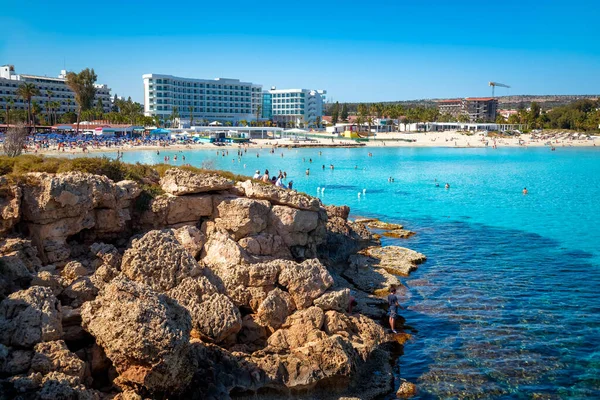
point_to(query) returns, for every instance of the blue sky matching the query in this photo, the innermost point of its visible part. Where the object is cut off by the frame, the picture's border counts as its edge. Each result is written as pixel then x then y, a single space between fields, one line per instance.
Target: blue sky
pixel 356 50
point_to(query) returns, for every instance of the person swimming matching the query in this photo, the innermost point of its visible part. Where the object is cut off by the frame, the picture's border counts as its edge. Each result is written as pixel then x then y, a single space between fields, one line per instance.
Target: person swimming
pixel 447 186
pixel 525 191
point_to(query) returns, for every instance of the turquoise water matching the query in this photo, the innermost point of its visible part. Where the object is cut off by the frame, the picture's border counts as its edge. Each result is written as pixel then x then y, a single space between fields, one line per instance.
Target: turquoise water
pixel 507 304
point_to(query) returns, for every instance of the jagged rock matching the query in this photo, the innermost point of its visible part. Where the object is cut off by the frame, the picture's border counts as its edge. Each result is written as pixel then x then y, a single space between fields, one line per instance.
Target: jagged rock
pixel 305 281
pixel 107 254
pixel 71 323
pixel 336 300
pixel 145 334
pixel 78 292
pixel 55 356
pixel 30 316
pixel 221 251
pixel 279 196
pixel 368 278
pixel 14 361
pixel 338 212
pixel 18 264
pixel 126 192
pixel 180 182
pixel 293 225
pixel 59 386
pixel 168 210
pixel 343 237
pixel 406 390
pixel 49 280
pixel 265 244
pixel 217 318
pixel 275 308
pixel 10 205
pixel 191 238
pixel 190 293
pixel 25 383
pixel 399 233
pixel 394 259
pixel 109 220
pixel 241 216
pixel 377 224
pixel 128 395
pixel 252 332
pixel 72 271
pixel 157 259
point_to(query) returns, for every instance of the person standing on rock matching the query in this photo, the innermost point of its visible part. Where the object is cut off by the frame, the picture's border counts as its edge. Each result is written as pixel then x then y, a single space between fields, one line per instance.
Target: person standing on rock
pixel 394 304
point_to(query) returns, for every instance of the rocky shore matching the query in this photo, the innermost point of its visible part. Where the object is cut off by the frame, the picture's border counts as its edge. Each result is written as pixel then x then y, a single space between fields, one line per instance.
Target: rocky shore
pixel 210 289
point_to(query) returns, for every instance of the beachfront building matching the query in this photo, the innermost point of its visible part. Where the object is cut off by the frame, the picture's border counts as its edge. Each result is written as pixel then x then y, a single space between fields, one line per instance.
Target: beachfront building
pixel 301 107
pixel 211 100
pixel 267 106
pixel 476 108
pixel 52 90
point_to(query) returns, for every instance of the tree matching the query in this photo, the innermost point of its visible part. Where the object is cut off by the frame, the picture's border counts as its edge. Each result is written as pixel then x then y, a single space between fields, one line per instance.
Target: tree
pixel 157 120
pixel 114 107
pixel 49 94
pixel 27 91
pixel 35 110
pixel 258 108
pixel 100 108
pixel 82 84
pixel 318 122
pixel 7 107
pixel 174 115
pixel 344 113
pixel 14 140
pixel 335 113
pixel 191 108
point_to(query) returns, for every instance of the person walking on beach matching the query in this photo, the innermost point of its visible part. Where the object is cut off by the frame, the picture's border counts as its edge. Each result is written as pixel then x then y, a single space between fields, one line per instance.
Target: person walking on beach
pixel 394 304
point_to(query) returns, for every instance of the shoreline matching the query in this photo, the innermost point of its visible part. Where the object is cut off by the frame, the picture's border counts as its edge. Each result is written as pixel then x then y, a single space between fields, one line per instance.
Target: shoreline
pixel 448 139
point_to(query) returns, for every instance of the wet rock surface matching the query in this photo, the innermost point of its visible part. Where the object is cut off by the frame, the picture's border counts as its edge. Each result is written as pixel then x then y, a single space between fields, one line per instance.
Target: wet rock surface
pixel 212 290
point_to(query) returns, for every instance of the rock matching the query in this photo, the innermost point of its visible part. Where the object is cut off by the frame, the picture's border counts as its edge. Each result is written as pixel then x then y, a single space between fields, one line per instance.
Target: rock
pixel 399 233
pixel 107 254
pixel 157 259
pixel 406 390
pixel 241 216
pixel 217 318
pixel 252 332
pixel 344 238
pixel 265 244
pixel 49 280
pixel 221 251
pixel 305 282
pixel 338 211
pixel 25 383
pixel 275 308
pixel 30 316
pixel 180 182
pixel 55 356
pixel 394 259
pixel 72 271
pixel 174 211
pixel 336 300
pixel 18 264
pixel 126 192
pixel 279 196
pixel 14 361
pixel 367 277
pixel 59 386
pixel 191 238
pixel 78 292
pixel 145 334
pixel 293 225
pixel 10 205
pixel 109 220
pixel 377 224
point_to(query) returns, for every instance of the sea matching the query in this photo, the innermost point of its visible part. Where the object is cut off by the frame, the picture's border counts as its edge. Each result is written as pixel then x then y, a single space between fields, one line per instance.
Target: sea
pixel 507 305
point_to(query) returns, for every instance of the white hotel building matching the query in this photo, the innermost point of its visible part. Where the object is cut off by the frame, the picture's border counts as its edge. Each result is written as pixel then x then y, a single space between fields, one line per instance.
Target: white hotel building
pixel 10 81
pixel 212 100
pixel 301 106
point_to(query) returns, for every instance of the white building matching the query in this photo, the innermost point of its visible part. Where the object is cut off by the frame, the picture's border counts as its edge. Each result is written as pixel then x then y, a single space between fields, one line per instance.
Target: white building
pixel 300 106
pixel 59 91
pixel 205 99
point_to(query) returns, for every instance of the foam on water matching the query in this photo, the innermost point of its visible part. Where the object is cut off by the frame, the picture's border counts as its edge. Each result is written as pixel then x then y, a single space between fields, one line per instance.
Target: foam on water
pixel 507 304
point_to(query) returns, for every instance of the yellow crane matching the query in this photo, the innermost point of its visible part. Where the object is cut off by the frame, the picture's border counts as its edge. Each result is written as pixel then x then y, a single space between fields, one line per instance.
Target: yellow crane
pixel 494 84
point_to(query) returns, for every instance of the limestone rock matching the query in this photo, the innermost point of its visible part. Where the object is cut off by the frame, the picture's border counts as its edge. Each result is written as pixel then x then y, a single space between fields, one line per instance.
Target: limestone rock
pixel 72 271
pixel 293 225
pixel 275 308
pixel 14 361
pixel 145 334
pixel 168 210
pixel 18 264
pixel 159 260
pixel 252 332
pixel 10 205
pixel 78 292
pixel 367 277
pixel 191 238
pixel 30 316
pixel 55 356
pixel 406 390
pixel 338 211
pixel 241 216
pixel 280 196
pixel 126 192
pixel 336 300
pixel 48 279
pixel 218 318
pixel 180 182
pixel 394 259
pixel 107 254
pixel 221 250
pixel 305 281
pixel 265 244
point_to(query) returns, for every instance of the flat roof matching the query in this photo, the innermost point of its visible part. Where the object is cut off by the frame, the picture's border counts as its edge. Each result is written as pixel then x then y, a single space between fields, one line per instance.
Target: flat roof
pixel 480 98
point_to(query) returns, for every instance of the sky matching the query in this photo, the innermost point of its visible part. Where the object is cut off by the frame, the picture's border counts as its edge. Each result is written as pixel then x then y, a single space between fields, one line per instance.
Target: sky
pixel 356 50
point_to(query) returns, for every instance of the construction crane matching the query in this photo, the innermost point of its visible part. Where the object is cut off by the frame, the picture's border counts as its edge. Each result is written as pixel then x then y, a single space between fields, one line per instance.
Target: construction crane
pixel 494 84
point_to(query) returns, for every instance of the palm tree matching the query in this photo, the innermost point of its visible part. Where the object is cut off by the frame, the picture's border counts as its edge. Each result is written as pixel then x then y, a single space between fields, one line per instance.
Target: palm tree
pixel 258 108
pixel 157 120
pixel 49 94
pixel 35 110
pixel 191 108
pixel 27 91
pixel 82 85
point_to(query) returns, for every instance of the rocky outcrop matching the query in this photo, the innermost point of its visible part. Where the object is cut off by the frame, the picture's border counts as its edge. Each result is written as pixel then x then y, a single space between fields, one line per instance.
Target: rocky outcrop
pixel 180 182
pixel 210 289
pixel 10 205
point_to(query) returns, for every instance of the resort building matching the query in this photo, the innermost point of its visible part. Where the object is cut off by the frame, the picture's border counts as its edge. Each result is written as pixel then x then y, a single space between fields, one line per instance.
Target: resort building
pixel 299 106
pixel 51 90
pixel 477 109
pixel 222 100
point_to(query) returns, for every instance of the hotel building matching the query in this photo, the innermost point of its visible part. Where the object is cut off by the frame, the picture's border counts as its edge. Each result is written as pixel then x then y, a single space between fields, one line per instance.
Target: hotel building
pixel 300 106
pixel 213 100
pixel 60 92
pixel 476 108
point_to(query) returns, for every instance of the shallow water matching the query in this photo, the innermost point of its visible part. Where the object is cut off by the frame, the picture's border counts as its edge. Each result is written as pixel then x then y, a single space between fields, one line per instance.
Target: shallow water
pixel 507 304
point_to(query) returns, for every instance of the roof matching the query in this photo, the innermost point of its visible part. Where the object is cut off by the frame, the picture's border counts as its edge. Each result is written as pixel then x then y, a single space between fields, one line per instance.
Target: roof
pixel 480 98
pixel 450 101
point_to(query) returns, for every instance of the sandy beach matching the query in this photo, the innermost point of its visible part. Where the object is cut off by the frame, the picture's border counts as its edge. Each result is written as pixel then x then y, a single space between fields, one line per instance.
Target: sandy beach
pixel 392 139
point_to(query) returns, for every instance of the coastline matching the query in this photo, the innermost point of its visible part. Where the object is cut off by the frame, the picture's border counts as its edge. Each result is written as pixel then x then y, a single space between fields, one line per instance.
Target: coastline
pixel 448 139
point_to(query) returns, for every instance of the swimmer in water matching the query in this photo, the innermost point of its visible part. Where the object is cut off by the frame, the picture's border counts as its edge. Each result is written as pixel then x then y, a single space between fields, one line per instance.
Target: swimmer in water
pixel 307 171
pixel 525 191
pixel 447 186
